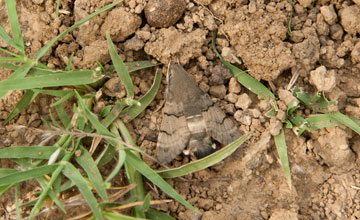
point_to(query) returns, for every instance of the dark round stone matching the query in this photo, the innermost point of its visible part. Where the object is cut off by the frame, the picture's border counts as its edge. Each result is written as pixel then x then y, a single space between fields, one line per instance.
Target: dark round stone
pixel 164 13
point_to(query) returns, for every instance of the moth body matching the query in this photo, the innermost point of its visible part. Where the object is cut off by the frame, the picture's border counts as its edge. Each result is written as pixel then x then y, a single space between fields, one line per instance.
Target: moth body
pixel 190 119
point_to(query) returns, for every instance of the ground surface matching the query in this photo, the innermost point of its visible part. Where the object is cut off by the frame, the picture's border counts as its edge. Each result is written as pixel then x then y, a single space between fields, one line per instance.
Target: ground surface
pixel 250 183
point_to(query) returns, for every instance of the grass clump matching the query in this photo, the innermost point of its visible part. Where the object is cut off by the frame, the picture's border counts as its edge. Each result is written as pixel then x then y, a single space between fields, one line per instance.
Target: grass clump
pixel 69 163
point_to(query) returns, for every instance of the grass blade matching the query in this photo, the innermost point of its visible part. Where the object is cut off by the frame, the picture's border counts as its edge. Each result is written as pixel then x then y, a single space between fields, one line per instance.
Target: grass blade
pixel 283 156
pixel 19 73
pixel 43 50
pixel 74 175
pixel 116 216
pixel 120 68
pixel 119 164
pixel 245 79
pixel 204 162
pixel 89 165
pixel 134 110
pixel 146 171
pixel 22 104
pixel 34 152
pixel 154 214
pixel 345 120
pixel 7 39
pixel 64 118
pixel 15 26
pixel 27 174
pixel 50 80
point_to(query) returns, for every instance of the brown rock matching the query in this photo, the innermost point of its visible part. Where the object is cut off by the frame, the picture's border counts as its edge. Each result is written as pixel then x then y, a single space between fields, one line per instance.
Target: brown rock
pixel 164 13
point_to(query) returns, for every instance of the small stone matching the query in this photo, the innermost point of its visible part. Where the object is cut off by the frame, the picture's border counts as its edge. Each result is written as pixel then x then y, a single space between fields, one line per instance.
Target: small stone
pixel 275 126
pixel 234 86
pixel 231 97
pixel 218 75
pixel 206 204
pixel 306 3
pixel 349 17
pixel 287 97
pixel 144 87
pixel 355 54
pixel 255 113
pixel 120 24
pixel 218 91
pixel 329 14
pixel 134 44
pixel 243 101
pixel 242 118
pixel 203 2
pixel 114 88
pixel 164 13
pixel 322 79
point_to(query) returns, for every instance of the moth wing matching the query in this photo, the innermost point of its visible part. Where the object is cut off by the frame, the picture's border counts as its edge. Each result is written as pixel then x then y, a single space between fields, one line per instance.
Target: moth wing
pixel 219 127
pixel 173 137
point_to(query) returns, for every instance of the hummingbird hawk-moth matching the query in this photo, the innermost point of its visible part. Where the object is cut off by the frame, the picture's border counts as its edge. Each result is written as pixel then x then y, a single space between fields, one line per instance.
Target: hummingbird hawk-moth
pixel 190 119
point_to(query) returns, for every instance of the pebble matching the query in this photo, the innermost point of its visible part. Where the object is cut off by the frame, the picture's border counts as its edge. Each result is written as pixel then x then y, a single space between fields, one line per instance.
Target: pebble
pixel 329 14
pixel 242 118
pixel 243 101
pixel 275 126
pixel 218 91
pixel 322 79
pixel 234 86
pixel 164 13
pixel 113 87
pixel 231 97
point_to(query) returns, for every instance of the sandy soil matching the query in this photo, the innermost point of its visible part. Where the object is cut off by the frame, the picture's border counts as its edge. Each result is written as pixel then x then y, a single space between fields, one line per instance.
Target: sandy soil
pixel 324 48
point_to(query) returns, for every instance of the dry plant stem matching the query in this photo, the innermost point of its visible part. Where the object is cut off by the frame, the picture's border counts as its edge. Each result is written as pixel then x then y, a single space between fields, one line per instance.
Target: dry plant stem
pixel 139 203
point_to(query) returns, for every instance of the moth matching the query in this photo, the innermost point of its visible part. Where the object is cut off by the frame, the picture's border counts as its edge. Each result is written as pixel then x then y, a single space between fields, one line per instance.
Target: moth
pixel 190 119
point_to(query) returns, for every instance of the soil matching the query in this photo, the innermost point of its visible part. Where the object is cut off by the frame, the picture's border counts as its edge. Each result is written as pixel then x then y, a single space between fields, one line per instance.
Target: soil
pixel 324 49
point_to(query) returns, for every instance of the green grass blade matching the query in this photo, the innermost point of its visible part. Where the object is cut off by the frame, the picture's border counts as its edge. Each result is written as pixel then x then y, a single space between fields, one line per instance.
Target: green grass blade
pixel 63 99
pixel 113 115
pixel 20 72
pixel 9 66
pixel 132 175
pixel 74 175
pixel 50 80
pixel 120 68
pixel 245 79
pixel 64 118
pixel 27 174
pixel 34 152
pixel 7 171
pixel 54 92
pixel 15 26
pixel 11 53
pixel 88 164
pixel 43 50
pixel 154 214
pixel 283 156
pixel 149 173
pixel 116 216
pixel 204 162
pixel 138 65
pixel 57 7
pixel 46 188
pixel 134 110
pixel 69 63
pixel 91 117
pixel 106 156
pixel 7 39
pixel 345 120
pixel 22 104
pixel 146 204
pixel 119 164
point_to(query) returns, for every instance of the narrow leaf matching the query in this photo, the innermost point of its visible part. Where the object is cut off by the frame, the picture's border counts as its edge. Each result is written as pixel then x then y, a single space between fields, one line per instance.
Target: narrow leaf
pixel 74 175
pixel 146 171
pixel 283 156
pixel 120 68
pixel 204 162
